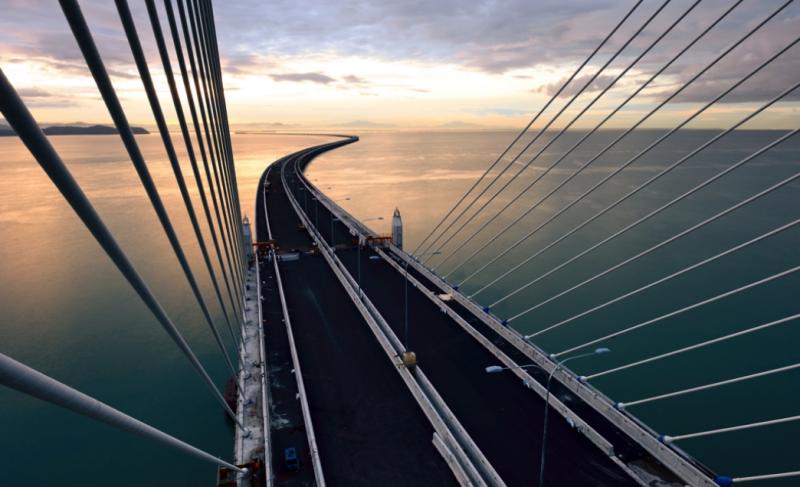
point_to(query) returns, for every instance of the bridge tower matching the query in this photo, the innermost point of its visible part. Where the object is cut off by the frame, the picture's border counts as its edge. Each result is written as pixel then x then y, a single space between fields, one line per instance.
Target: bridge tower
pixel 397 229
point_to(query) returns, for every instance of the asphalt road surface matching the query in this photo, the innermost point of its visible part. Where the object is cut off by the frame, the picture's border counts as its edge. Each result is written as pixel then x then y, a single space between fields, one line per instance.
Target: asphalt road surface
pixel 502 415
pixel 369 429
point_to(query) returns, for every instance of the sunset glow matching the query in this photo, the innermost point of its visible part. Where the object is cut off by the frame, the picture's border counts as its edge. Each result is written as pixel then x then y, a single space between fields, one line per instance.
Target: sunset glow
pixel 373 67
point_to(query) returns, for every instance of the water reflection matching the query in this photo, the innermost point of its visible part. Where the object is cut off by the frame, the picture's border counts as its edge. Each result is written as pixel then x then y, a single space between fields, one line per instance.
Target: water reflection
pixel 424 174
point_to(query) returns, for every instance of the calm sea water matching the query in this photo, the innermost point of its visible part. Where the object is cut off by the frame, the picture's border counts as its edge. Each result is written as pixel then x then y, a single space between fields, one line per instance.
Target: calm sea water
pixel 67 311
pixel 423 174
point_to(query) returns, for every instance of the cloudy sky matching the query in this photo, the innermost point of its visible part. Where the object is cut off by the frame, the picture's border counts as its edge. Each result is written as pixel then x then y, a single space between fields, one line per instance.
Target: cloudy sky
pixel 419 64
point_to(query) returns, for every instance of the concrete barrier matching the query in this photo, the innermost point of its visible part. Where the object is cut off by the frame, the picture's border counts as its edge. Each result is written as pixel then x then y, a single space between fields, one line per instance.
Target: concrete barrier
pixel 269 470
pixel 462 448
pixel 683 467
pixel 677 461
pixel 265 400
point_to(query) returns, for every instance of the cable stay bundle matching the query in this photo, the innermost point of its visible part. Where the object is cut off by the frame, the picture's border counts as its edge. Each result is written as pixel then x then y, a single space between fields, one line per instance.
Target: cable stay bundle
pixel 555 96
pixel 543 130
pixel 213 113
pixel 663 103
pixel 542 150
pixel 467 242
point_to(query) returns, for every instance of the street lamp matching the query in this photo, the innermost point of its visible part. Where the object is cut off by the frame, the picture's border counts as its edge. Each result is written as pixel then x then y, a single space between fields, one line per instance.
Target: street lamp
pixel 493 369
pixel 361 241
pixel 332 220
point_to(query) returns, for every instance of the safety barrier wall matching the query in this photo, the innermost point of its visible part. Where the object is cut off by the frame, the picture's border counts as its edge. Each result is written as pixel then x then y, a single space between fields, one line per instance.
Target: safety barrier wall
pixel 638 431
pixel 464 438
pixel 264 383
pixel 244 451
pixel 443 420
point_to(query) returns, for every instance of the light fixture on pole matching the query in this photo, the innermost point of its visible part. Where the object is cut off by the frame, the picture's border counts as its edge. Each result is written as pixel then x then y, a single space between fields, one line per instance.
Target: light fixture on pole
pixel 493 369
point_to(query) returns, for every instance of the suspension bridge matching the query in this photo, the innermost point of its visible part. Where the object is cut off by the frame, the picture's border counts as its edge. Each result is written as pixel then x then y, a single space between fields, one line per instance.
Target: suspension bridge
pixel 485 355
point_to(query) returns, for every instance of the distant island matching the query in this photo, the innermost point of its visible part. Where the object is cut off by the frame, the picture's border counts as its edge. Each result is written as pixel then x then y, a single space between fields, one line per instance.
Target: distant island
pixel 6 131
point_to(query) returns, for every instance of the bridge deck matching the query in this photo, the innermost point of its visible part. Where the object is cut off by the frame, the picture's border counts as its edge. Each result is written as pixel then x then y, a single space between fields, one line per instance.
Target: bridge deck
pixel 502 415
pixel 368 427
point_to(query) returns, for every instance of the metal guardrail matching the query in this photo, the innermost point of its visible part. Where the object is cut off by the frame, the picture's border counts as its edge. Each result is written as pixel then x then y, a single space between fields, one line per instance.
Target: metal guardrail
pixel 526 378
pixel 265 376
pixel 242 451
pixel 443 420
pixel 463 462
pixel 358 229
pixel 265 402
pixel 416 391
pixel 447 454
pixel 238 436
pixel 675 460
pixel 579 424
pixel 638 431
pixel 458 430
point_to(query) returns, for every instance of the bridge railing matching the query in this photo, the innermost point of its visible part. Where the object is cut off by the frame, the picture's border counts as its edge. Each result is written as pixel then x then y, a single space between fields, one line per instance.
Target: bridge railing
pixel 678 461
pixel 471 463
pixel 265 400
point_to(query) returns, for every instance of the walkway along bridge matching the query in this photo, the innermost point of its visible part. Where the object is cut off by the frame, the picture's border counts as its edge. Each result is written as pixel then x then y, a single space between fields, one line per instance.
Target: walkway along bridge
pixel 324 314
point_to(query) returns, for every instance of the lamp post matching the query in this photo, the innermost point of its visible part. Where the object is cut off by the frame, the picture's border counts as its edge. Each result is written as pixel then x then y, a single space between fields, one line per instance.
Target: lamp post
pixel 361 242
pixel 333 219
pixel 492 369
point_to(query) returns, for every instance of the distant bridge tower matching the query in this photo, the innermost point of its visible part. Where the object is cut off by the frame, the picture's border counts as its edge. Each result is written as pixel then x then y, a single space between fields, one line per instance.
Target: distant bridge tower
pixel 248 239
pixel 397 229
